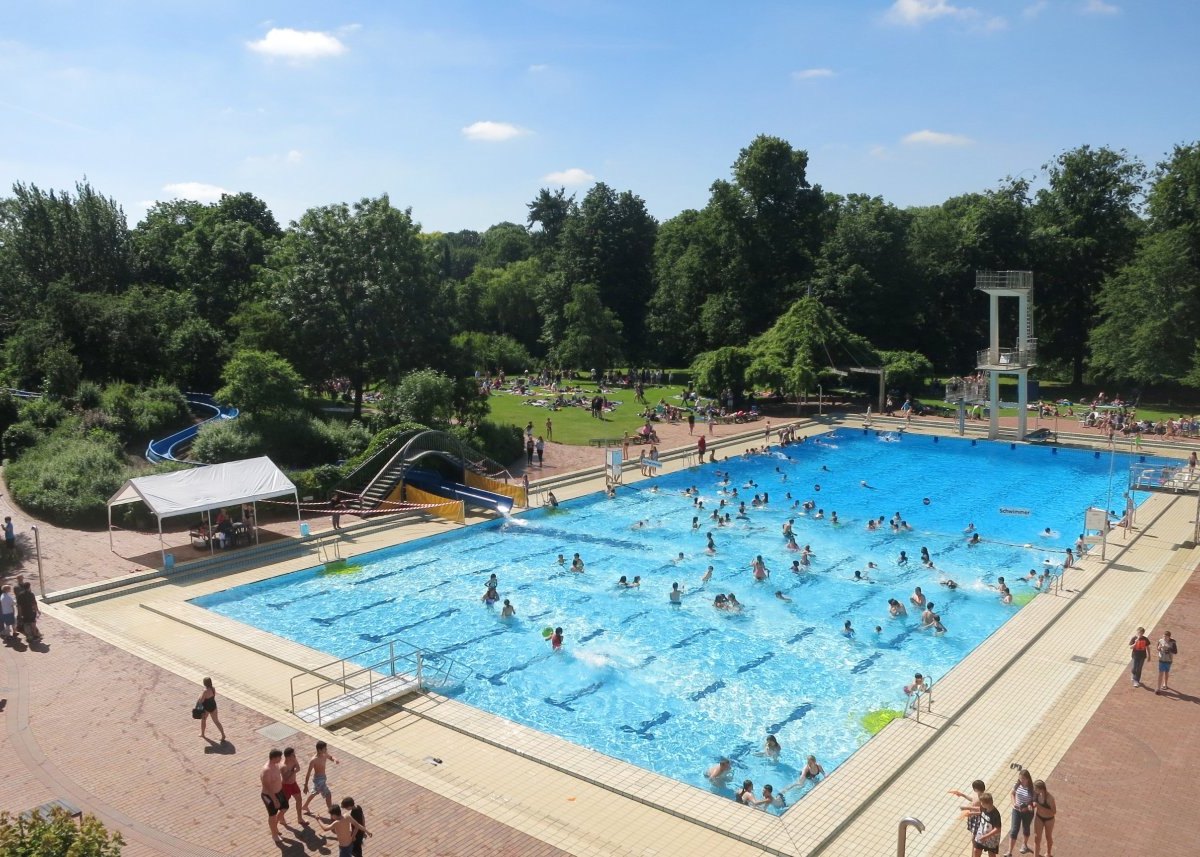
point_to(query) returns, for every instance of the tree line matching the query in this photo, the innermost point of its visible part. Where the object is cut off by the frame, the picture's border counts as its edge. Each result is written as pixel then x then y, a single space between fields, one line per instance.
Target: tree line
pixel 773 281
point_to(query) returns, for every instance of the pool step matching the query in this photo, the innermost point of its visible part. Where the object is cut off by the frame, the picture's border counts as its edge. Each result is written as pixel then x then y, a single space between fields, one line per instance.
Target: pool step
pixel 379 691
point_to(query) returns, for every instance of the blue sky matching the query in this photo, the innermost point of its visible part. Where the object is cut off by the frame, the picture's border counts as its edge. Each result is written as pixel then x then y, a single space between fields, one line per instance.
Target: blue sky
pixel 463 110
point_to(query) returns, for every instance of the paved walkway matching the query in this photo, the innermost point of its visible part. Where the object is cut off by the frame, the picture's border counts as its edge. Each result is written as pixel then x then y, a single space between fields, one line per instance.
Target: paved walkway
pixel 113 734
pixel 1126 785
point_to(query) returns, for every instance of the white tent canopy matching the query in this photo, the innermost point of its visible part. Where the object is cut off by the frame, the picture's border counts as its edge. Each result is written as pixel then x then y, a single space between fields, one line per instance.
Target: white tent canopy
pixel 204 488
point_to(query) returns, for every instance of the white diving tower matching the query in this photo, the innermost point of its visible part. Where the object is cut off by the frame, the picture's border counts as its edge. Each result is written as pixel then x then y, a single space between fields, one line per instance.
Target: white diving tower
pixel 997 360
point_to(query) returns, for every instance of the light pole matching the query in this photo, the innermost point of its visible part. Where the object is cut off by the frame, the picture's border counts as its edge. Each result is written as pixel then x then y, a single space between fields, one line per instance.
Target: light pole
pixel 37 549
pixel 820 400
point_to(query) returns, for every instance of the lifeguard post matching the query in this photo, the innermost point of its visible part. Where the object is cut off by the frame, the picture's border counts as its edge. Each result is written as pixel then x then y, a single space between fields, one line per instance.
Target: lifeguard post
pixel 996 360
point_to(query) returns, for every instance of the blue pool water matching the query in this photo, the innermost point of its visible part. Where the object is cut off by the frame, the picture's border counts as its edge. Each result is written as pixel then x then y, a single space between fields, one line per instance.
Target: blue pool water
pixel 673 687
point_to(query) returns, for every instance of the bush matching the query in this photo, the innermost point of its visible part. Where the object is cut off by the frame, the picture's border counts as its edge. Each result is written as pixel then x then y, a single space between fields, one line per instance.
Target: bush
pixel 43 414
pixel 68 479
pixel 260 382
pixel 345 439
pixel 226 440
pixel 142 413
pixel 56 835
pixel 88 395
pixel 502 443
pixel 317 482
pixel 489 351
pixel 19 437
pixel 424 396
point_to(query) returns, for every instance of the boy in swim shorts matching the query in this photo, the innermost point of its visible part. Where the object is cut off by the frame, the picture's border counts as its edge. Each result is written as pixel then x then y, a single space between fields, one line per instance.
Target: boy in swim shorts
pixel 316 770
pixel 291 789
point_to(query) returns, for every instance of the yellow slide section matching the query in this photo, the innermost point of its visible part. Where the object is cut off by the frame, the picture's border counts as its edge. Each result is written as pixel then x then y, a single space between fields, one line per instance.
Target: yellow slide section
pixel 451 510
pixel 486 483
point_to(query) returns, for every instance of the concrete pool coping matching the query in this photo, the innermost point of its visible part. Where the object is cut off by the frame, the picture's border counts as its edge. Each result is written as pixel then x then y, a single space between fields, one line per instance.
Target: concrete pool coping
pixel 831 816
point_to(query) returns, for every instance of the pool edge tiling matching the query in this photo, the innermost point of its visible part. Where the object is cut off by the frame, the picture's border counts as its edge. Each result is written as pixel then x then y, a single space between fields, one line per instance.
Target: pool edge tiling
pixel 819 819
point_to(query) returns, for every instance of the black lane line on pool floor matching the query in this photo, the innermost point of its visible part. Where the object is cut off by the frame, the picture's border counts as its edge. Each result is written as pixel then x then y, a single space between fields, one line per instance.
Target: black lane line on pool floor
pixel 379 638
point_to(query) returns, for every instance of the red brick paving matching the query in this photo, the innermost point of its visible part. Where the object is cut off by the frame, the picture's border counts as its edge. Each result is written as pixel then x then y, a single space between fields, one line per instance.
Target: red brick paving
pixel 1126 786
pixel 113 734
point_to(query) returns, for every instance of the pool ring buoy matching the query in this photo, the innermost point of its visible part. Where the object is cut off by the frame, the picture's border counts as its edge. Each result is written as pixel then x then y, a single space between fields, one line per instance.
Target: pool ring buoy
pixel 816 487
pixel 547 633
pixel 926 501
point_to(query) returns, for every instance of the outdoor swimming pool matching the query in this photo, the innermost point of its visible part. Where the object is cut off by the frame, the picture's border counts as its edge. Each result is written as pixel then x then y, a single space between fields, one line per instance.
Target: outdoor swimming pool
pixel 673 687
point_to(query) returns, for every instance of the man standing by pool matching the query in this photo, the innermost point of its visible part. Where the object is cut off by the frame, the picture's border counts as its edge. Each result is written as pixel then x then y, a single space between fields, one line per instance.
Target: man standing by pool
pixel 273 798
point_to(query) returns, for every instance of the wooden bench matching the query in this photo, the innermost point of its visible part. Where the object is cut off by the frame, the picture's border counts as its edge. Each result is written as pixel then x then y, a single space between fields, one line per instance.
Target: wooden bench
pixel 605 441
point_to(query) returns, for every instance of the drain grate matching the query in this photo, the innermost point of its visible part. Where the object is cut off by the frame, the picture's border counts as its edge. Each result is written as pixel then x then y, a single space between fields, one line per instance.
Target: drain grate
pixel 1079 659
pixel 277 731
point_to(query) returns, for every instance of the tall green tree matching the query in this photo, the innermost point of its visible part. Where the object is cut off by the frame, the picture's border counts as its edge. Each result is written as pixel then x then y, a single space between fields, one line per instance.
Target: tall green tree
pixel 549 212
pixel 609 243
pixel 355 284
pixel 592 334
pixel 1087 228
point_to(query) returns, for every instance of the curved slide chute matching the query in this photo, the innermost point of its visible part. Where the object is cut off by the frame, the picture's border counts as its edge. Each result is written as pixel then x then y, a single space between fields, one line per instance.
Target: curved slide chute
pixel 433 483
pixel 164 450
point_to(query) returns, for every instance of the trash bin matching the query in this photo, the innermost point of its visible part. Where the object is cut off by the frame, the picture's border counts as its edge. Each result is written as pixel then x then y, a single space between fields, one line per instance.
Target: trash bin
pixel 304 531
pixel 169 562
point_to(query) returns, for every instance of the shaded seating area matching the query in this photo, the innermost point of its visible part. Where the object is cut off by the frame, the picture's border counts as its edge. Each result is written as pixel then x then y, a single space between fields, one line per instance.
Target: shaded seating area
pixel 209 492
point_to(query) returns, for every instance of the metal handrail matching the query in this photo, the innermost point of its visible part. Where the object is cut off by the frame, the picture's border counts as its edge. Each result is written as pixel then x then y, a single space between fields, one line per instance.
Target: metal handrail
pixel 914 703
pixel 902 833
pixel 336 675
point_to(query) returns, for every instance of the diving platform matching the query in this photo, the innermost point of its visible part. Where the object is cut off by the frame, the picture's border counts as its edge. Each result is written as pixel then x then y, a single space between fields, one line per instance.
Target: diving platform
pixel 327 712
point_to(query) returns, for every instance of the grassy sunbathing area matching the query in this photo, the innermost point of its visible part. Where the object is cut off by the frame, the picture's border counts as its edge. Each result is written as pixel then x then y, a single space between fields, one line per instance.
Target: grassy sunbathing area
pixel 574 424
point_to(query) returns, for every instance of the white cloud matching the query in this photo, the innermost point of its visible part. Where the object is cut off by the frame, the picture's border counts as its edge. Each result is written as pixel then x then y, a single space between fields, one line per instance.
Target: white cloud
pixel 538 68
pixel 298 45
pixel 573 176
pixel 198 191
pixel 812 73
pixel 493 132
pixel 916 12
pixel 935 138
pixel 1035 9
pixel 1099 7
pixel 879 153
pixel 294 156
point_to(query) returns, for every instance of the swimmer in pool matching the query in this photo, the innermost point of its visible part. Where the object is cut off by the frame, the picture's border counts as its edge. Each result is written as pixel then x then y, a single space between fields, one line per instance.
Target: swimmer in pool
pixel 761 572
pixel 787 527
pixel 896 608
pixel 864 484
pixel 970 528
pixel 1005 595
pixel 771 748
pixel 577 564
pixel 847 630
pixel 974 540
pixel 562 560
pixel 491 596
pixel 551 500
pixel 719 773
pixel 721 602
pixel 948 583
pixel 733 603
pixel 902 559
pixel 878 629
pixel 779 594
pixel 556 640
pixel 833 518
pixel 1047 534
pixel 707 576
pixel 811 773
pixel 871 524
pixel 871 566
pixel 927 616
pixel 493 582
pixel 938 627
pixel 676 594
pixel 820 516
pixel 711 548
pixel 917 598
pixel 858 575
pixel 791 542
pixel 678 558
pixel 623 583
pixel 918 685
pixel 509 611
pixel 796 569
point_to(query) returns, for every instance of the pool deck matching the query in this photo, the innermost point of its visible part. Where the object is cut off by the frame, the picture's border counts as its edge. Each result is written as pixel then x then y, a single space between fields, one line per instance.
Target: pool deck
pixel 1049 691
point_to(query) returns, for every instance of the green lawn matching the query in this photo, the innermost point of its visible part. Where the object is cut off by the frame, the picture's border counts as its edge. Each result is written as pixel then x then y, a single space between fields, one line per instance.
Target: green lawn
pixel 575 425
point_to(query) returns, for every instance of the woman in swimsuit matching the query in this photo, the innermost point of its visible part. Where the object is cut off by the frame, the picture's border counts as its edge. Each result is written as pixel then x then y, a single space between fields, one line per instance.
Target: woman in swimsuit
pixel 208 701
pixel 812 770
pixel 746 794
pixel 1044 811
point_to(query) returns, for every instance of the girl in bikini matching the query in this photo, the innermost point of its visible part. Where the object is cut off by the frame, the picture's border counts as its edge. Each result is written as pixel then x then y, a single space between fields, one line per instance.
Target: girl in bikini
pixel 1044 810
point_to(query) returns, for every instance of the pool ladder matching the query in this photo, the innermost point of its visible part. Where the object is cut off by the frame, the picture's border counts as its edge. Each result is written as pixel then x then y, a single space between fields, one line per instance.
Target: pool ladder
pixel 914 703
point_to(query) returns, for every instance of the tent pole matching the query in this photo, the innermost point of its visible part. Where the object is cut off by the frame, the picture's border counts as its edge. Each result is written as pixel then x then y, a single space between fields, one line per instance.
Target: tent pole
pixel 254 506
pixel 212 537
pixel 110 538
pixel 296 497
pixel 162 547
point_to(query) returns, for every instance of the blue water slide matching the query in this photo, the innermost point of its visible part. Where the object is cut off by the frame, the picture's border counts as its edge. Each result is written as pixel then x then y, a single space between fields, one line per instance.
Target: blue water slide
pixel 164 449
pixel 433 483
